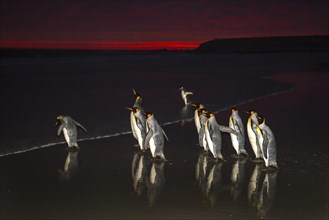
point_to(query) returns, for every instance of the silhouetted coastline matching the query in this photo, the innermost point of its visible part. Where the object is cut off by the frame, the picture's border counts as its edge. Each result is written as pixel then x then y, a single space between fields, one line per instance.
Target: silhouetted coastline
pixel 266 44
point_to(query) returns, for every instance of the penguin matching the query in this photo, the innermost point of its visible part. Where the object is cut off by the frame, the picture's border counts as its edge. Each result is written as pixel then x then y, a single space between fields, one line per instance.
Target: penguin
pixel 214 137
pixel 238 141
pixel 202 135
pixel 138 126
pixel 69 127
pixel 196 115
pixel 251 130
pixel 267 144
pixel 155 137
pixel 184 94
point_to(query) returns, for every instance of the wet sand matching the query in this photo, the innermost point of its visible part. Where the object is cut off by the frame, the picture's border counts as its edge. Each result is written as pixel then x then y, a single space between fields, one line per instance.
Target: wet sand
pixel 98 182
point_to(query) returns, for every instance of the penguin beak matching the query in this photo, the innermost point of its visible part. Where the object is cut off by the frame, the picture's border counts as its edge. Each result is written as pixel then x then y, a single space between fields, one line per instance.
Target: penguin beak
pixel 129 108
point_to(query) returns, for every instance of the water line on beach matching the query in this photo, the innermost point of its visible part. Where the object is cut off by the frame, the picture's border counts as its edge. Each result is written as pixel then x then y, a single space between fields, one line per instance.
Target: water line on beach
pixel 129 132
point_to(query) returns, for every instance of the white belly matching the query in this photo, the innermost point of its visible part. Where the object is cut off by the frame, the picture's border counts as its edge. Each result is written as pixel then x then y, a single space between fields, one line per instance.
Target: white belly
pixel 234 139
pixel 66 136
pixel 209 141
pixel 152 146
pixel 252 138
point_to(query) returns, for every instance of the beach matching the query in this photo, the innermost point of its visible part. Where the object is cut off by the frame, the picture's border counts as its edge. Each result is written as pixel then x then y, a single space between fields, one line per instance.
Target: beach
pixel 99 180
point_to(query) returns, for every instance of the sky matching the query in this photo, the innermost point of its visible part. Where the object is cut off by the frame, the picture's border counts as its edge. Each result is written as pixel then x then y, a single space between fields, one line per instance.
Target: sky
pixel 153 24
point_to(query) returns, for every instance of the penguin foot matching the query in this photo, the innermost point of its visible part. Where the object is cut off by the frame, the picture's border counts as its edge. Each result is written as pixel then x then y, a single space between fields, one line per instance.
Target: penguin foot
pixel 73 149
pixel 239 156
pixel 258 160
pixel 271 169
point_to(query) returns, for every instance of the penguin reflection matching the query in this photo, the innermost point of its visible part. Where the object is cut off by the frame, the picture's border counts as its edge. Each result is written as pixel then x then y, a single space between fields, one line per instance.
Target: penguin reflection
pixel 267 194
pixel 139 171
pixel 202 171
pixel 254 185
pixel 155 181
pixel 237 178
pixel 71 166
pixel 261 190
pixel 209 177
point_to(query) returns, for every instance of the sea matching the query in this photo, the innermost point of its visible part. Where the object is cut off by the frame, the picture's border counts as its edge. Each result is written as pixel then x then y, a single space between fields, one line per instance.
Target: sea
pixel 95 89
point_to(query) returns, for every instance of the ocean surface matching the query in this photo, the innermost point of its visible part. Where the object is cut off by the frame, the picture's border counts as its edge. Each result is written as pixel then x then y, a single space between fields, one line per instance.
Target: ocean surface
pixel 95 90
pixel 108 178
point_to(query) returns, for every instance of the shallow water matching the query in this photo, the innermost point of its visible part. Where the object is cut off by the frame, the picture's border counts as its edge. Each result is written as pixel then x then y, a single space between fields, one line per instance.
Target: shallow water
pixel 96 90
pixel 109 179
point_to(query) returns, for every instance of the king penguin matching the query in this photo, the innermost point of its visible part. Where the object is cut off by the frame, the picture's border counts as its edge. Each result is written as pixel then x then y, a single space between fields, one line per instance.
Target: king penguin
pixel 238 141
pixel 214 137
pixel 155 137
pixel 202 134
pixel 184 94
pixel 251 130
pixel 267 144
pixel 197 115
pixel 138 126
pixel 69 128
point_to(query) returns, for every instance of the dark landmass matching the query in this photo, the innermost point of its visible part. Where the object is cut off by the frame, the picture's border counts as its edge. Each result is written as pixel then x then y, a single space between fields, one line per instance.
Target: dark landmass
pixel 248 45
pixel 266 44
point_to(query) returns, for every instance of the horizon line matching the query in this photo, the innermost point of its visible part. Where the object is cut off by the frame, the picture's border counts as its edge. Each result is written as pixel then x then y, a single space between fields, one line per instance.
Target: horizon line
pixel 121 45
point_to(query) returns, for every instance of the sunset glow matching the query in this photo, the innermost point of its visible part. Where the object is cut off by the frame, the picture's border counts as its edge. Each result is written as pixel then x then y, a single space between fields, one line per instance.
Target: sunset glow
pixel 100 45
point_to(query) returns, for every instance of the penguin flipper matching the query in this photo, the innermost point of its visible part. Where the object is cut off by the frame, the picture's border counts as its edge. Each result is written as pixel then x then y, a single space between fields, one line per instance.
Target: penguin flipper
pixel 78 124
pixel 59 131
pixel 227 129
pixel 189 93
pixel 164 134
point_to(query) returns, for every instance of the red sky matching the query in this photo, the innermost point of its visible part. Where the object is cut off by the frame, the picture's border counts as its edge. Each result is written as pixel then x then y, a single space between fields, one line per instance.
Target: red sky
pixel 127 24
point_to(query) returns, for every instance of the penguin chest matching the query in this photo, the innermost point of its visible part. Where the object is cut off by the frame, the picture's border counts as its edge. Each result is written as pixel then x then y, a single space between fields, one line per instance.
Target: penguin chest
pixel 152 146
pixel 209 140
pixel 138 134
pixel 197 120
pixel 234 138
pixel 251 133
pixel 66 135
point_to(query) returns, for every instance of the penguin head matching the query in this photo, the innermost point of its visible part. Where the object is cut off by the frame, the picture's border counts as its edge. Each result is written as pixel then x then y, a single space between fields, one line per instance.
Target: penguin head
pixel 251 112
pixel 133 109
pixel 198 105
pixel 203 111
pixel 59 119
pixel 211 115
pixel 181 88
pixel 261 119
pixel 234 109
pixel 148 114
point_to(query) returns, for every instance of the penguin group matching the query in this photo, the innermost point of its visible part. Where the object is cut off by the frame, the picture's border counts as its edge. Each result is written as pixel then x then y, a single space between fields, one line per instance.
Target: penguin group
pixel 146 130
pixel 150 135
pixel 261 137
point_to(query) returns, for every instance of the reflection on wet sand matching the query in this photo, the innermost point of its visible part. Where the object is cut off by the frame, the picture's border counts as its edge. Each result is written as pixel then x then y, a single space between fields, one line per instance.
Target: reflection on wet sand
pixel 209 177
pixel 71 166
pixel 148 174
pixel 267 195
pixel 237 178
pixel 139 171
pixel 261 187
pixel 261 194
